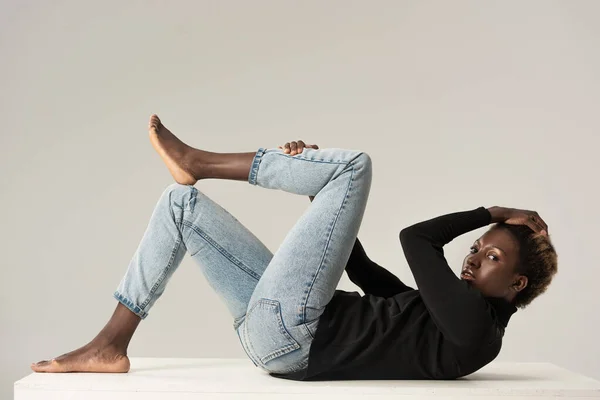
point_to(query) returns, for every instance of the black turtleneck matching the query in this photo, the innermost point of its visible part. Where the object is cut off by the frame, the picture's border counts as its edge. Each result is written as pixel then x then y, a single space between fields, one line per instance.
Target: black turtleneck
pixel 444 330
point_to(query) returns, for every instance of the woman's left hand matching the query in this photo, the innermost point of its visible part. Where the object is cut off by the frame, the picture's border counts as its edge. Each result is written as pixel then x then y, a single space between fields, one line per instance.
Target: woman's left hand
pixel 294 148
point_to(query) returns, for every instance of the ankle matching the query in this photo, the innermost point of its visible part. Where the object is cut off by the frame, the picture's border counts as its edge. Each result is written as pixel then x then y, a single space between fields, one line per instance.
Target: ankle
pixel 109 342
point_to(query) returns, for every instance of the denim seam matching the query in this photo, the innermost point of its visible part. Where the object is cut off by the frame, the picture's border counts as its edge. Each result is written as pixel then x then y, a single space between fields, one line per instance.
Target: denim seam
pixel 242 338
pixel 130 305
pixel 163 274
pixel 261 152
pixel 248 341
pixel 254 167
pixel 279 352
pixel 238 321
pixel 221 250
pixel 283 330
pixel 320 162
pixel 348 189
pixel 303 364
pixel 251 350
pixel 301 156
pixel 305 327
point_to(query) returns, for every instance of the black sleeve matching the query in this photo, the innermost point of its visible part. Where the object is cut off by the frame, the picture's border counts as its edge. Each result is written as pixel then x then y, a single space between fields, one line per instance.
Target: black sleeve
pixel 371 277
pixel 459 310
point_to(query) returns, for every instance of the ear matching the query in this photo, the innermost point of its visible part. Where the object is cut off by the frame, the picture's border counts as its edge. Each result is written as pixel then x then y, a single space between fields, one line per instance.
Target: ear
pixel 520 283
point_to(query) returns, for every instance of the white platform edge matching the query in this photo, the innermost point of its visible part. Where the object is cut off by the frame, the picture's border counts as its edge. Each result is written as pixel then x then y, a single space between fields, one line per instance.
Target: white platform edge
pixel 209 378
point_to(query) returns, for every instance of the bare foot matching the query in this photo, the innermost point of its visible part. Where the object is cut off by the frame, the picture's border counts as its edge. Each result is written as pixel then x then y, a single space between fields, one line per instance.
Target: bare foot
pixel 178 156
pixel 89 358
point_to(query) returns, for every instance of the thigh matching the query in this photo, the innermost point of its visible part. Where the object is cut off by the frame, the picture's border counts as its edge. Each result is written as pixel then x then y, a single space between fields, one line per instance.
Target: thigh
pixel 304 273
pixel 230 256
pixel 305 270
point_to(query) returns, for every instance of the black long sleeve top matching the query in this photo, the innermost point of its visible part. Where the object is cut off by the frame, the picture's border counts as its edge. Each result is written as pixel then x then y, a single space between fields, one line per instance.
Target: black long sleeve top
pixel 444 330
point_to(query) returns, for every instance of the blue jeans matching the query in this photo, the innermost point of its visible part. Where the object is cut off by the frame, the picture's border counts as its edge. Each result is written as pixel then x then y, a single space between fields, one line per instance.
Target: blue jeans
pixel 275 299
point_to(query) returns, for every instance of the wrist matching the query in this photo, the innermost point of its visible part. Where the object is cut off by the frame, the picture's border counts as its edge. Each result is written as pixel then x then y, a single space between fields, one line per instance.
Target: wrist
pixel 497 214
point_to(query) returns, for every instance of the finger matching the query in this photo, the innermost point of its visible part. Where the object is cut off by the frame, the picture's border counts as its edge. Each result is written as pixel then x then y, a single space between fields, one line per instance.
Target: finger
pixel 531 225
pixel 314 146
pixel 540 228
pixel 301 146
pixel 539 222
pixel 286 147
pixel 293 148
pixel 542 222
pixel 543 229
pixel 534 224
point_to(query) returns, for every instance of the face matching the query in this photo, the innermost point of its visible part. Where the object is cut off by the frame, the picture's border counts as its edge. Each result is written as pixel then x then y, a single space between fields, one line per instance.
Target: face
pixel 492 260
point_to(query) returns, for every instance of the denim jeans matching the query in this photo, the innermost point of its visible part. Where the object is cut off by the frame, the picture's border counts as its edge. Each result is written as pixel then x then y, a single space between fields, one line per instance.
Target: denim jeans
pixel 275 299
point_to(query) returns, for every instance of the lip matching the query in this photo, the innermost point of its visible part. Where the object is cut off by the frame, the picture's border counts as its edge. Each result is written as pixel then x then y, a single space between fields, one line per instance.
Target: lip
pixel 467 275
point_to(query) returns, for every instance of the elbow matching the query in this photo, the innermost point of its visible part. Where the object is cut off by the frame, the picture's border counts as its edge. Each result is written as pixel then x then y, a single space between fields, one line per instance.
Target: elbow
pixel 405 235
pixel 402 235
pixel 412 234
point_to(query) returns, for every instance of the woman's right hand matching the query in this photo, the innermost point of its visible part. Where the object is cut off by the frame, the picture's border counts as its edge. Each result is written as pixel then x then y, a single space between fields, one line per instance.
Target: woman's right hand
pixel 515 216
pixel 296 147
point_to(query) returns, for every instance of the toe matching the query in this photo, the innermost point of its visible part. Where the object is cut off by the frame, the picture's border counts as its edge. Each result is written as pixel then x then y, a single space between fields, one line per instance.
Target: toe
pixel 40 366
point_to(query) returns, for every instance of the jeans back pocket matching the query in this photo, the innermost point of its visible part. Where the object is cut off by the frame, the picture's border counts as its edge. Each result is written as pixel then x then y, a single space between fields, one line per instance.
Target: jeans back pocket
pixel 267 337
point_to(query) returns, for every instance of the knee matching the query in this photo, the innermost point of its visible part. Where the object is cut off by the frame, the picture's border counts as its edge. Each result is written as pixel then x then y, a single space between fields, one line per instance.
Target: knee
pixel 180 196
pixel 176 188
pixel 363 160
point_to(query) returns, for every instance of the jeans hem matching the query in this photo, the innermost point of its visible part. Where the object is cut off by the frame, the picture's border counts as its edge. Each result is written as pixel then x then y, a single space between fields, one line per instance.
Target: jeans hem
pixel 254 167
pixel 130 305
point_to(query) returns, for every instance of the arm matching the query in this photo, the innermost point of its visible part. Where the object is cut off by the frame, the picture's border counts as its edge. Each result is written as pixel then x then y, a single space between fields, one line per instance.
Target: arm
pixel 459 310
pixel 371 277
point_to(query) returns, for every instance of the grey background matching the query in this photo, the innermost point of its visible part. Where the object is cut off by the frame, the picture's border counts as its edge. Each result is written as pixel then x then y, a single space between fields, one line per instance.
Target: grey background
pixel 460 104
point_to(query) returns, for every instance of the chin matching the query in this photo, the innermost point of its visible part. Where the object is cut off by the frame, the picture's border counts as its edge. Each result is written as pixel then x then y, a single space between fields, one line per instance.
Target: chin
pixel 470 282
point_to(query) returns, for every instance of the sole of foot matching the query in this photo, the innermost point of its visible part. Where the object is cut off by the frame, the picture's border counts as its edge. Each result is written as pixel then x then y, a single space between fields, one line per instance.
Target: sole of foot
pixel 175 154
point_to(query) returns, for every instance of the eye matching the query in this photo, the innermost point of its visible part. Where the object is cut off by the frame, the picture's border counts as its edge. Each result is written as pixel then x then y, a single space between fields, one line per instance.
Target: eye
pixel 474 250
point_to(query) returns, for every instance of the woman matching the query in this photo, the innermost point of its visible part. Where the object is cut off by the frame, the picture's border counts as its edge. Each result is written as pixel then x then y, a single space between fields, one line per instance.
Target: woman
pixel 290 319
